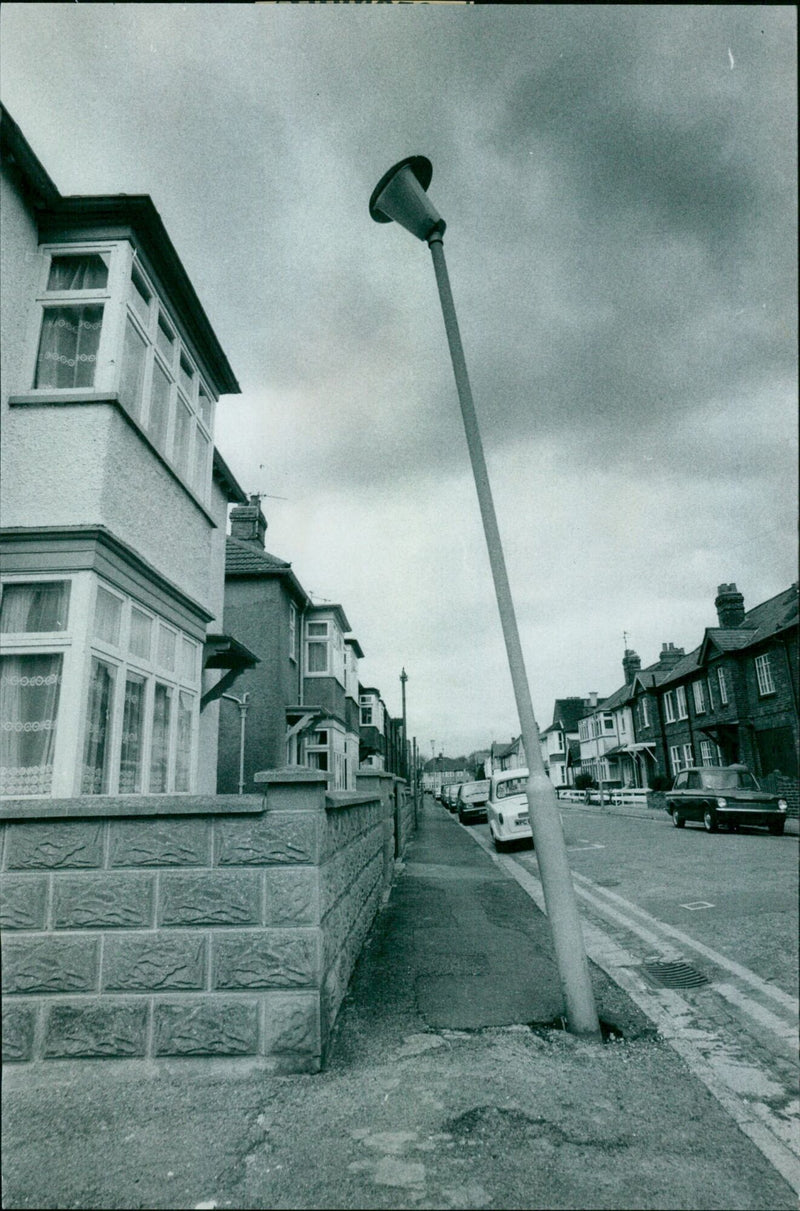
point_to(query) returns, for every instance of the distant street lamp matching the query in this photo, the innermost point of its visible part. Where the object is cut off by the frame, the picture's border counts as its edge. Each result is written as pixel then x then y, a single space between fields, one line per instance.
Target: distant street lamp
pixel 401 195
pixel 404 764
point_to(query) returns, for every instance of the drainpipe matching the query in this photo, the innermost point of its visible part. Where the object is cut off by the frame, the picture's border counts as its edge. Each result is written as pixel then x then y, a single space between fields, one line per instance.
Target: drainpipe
pixel 242 705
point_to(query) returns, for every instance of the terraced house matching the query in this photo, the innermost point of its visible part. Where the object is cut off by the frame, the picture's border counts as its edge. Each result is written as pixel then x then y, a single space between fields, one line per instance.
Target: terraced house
pixel 734 698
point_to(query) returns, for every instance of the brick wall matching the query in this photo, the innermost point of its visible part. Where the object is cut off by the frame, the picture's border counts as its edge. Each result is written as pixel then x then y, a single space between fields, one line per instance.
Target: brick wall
pixel 228 930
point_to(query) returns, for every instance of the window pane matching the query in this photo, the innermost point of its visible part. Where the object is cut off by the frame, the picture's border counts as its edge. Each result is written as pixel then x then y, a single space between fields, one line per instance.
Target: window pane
pixel 183 751
pixel 29 692
pixel 139 296
pixel 88 271
pixel 183 437
pixel 204 406
pixel 189 660
pixel 159 406
pixel 165 340
pixel 141 634
pixel 186 376
pixel 34 607
pixel 97 748
pixel 159 752
pixel 166 648
pixel 317 658
pixel 132 374
pixel 68 347
pixel 107 616
pixel 201 448
pixel 318 628
pixel 132 751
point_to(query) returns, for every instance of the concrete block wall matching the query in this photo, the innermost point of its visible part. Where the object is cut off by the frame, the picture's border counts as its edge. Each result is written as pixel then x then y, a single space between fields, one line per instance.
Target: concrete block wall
pixel 228 928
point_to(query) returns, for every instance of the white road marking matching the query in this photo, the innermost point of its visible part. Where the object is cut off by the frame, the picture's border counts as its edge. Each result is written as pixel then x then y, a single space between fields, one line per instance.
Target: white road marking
pixel 696 905
pixel 737 1083
pixel 789 1003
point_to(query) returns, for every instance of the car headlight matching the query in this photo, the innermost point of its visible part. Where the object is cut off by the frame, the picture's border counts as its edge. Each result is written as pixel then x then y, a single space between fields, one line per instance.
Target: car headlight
pixel 722 802
pixel 782 805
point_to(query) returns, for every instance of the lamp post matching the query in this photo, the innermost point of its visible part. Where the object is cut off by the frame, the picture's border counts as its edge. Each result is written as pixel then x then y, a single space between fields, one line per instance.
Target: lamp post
pixel 242 705
pixel 401 195
pixel 404 765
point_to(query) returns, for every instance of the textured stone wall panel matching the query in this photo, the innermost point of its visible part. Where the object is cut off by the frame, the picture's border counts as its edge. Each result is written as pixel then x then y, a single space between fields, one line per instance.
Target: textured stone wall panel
pixel 55 845
pixel 153 962
pixel 276 838
pixel 105 901
pixel 292 1024
pixel 268 958
pixel 19 1027
pixel 343 869
pixel 338 923
pixel 212 1026
pixel 50 964
pixel 96 1029
pixel 160 842
pixel 291 897
pixel 23 901
pixel 212 897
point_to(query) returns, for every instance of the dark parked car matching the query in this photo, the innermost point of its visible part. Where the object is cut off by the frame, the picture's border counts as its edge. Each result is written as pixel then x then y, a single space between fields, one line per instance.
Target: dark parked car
pixel 451 792
pixel 471 801
pixel 728 795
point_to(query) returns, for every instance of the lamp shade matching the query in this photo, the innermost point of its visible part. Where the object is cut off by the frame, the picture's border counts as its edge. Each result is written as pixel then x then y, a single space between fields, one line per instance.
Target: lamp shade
pixel 400 195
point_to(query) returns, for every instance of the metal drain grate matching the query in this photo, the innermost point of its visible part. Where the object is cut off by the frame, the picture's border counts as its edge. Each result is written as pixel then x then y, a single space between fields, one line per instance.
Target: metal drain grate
pixel 674 973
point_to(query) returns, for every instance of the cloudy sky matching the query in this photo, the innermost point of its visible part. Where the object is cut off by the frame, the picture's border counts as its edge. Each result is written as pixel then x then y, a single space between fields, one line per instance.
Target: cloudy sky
pixel 619 185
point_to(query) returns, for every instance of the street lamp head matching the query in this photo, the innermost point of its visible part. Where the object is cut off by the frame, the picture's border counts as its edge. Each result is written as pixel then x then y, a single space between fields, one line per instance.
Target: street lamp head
pixel 400 195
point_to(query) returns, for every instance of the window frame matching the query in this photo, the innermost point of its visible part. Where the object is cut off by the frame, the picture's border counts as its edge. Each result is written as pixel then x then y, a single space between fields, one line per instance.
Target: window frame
pixel 669 706
pixel 681 706
pixel 723 686
pixel 699 696
pixel 765 682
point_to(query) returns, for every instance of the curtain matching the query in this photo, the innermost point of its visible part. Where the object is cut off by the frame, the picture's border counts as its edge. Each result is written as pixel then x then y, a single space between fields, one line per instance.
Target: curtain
pixel 183 751
pixel 29 694
pixel 132 752
pixel 28 608
pixel 159 752
pixel 68 346
pixel 98 730
pixel 87 271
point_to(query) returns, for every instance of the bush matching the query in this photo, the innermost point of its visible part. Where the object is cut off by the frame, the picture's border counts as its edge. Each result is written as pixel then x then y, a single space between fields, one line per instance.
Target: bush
pixel 584 782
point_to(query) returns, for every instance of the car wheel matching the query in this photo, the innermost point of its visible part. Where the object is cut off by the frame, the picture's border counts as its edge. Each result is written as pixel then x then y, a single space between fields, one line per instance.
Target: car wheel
pixel 709 821
pixel 678 820
pixel 776 827
pixel 500 846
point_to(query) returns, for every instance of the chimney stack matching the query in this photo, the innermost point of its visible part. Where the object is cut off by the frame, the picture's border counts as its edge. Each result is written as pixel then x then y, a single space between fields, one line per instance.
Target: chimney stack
pixel 592 698
pixel 669 657
pixel 730 606
pixel 631 664
pixel 248 523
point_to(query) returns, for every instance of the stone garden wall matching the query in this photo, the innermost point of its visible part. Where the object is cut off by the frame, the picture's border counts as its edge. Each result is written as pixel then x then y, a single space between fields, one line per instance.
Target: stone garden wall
pixel 168 928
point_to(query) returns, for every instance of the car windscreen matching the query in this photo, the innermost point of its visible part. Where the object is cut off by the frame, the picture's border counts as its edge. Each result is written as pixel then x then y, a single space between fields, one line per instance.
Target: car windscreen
pixel 474 790
pixel 511 786
pixel 728 780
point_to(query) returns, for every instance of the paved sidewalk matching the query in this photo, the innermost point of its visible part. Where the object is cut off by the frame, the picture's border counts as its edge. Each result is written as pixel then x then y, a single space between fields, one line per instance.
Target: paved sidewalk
pixel 438 1092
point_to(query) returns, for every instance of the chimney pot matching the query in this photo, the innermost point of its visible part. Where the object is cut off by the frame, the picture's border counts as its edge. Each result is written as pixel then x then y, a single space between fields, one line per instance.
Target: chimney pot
pixel 248 523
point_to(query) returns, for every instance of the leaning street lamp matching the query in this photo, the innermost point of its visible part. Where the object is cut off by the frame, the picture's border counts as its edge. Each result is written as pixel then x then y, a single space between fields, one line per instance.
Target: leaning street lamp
pixel 401 195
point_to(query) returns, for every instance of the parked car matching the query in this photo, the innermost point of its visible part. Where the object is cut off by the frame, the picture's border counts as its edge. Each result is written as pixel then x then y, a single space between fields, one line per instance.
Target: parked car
pixel 452 795
pixel 727 795
pixel 471 801
pixel 507 808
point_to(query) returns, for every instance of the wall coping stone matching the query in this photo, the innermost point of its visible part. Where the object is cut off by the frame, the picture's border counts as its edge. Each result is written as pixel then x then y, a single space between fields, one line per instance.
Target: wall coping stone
pixel 336 800
pixel 374 773
pixel 86 806
pixel 290 774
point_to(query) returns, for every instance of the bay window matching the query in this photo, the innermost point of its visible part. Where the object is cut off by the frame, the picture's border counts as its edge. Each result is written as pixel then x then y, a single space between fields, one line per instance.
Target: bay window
pixel 317 647
pixel 98 694
pixel 102 327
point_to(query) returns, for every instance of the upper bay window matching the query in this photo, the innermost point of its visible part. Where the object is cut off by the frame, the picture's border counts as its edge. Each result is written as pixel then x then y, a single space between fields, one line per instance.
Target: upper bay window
pixel 101 326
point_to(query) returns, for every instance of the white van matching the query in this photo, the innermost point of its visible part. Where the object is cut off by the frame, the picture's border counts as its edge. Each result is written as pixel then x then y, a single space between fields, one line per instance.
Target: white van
pixel 507 808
